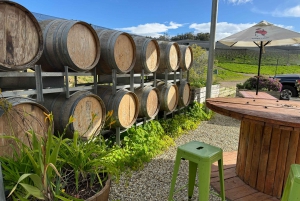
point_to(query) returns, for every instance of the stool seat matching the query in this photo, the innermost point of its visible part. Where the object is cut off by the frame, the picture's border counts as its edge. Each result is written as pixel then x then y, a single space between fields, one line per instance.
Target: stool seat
pixel 198 150
pixel 200 156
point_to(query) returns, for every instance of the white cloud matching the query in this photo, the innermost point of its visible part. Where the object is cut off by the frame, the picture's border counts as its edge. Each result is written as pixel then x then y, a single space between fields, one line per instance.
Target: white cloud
pixel 223 29
pixel 151 29
pixel 239 1
pixel 288 12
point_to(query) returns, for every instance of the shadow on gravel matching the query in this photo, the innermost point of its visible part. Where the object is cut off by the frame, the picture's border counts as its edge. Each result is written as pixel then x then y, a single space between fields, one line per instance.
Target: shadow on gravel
pixel 222 120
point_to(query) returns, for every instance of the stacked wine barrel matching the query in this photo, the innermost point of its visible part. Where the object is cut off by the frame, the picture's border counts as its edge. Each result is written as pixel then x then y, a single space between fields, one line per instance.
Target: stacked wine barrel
pixel 55 44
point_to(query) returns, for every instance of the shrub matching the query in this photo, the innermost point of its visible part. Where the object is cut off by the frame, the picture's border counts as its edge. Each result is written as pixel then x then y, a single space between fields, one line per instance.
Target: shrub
pixel 265 83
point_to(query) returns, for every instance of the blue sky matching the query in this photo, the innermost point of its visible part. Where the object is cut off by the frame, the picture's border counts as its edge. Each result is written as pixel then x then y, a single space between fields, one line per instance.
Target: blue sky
pixel 156 17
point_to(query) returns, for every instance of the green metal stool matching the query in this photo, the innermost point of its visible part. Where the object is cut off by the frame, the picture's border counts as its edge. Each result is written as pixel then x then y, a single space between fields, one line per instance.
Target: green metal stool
pixel 201 156
pixel 291 190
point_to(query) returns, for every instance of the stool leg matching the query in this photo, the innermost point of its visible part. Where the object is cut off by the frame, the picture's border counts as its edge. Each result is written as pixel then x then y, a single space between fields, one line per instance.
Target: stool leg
pixel 175 172
pixel 204 180
pixel 287 189
pixel 221 177
pixel 192 178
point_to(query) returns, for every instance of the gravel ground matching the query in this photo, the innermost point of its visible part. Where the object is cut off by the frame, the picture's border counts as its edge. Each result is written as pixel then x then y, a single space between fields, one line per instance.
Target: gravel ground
pixel 153 182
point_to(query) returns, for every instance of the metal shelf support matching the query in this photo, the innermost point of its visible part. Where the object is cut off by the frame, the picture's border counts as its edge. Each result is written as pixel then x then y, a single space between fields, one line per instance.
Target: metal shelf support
pixel 39 84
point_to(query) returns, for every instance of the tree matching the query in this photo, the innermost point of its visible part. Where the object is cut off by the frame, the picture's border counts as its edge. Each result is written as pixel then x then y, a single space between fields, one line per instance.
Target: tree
pixel 199 69
pixel 165 37
pixel 202 36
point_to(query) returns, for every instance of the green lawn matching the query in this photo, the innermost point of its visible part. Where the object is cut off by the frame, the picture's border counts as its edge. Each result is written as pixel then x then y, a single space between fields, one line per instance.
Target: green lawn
pixel 264 70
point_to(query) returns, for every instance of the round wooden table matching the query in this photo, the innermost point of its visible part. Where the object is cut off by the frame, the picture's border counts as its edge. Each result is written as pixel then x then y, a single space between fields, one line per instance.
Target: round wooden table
pixel 269 139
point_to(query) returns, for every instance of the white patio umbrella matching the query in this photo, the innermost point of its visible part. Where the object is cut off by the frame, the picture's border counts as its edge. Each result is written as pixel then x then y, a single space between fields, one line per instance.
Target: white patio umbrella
pixel 261 35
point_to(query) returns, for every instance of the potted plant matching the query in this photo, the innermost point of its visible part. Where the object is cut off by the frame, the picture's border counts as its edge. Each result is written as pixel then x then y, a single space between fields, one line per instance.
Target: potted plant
pixel 57 168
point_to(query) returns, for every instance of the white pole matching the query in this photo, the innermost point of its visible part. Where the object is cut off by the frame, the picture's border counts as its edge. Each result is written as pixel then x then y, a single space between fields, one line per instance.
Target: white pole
pixel 214 13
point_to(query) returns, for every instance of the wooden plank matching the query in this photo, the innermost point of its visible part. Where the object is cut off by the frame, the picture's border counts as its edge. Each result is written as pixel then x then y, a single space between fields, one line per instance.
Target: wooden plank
pixel 240 192
pixel 249 153
pixel 243 144
pixel 255 196
pixel 291 156
pixel 281 160
pixel 264 155
pixel 256 154
pixel 228 173
pixel 272 161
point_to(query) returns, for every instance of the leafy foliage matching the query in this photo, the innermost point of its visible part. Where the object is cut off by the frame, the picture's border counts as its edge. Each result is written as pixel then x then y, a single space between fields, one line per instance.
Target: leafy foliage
pixel 265 83
pixel 47 169
pixel 197 74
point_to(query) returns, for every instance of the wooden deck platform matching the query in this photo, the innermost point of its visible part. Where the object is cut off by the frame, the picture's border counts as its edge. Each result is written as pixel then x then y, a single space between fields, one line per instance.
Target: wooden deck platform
pixel 252 94
pixel 235 188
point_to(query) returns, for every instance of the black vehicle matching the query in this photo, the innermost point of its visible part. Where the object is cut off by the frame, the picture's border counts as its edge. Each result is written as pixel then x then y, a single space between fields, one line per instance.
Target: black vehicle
pixel 289 85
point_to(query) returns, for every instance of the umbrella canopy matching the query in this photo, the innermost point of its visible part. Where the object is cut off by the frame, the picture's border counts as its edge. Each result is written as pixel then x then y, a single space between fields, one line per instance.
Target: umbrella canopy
pixel 261 35
pixel 264 31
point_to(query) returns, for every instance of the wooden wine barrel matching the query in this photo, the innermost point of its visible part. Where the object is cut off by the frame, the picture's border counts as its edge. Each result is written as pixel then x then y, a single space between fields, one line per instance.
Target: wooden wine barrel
pixel 21 38
pixel 123 103
pixel 185 94
pixel 118 52
pixel 17 116
pixel 169 56
pixel 87 109
pixel 168 96
pixel 69 43
pixel 148 101
pixel 186 57
pixel 147 55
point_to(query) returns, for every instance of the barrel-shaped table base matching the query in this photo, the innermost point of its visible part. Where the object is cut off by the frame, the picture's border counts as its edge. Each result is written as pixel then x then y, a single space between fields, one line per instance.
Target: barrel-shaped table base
pixel 266 152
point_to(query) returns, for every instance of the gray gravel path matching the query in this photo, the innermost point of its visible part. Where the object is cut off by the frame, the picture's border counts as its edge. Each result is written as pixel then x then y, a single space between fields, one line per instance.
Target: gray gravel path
pixel 153 182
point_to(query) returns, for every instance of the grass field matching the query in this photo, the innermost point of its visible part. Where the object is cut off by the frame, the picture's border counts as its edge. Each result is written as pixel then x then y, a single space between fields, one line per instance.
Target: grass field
pixel 264 70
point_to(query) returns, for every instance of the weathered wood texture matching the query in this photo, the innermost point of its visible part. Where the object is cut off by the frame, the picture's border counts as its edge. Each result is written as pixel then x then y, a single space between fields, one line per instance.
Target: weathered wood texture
pixel 21 38
pixel 17 117
pixel 168 96
pixel 269 140
pixel 118 51
pixel 184 93
pixel 69 43
pixel 147 55
pixel 186 57
pixel 123 104
pixel 169 56
pixel 87 109
pixel 148 101
pixel 278 112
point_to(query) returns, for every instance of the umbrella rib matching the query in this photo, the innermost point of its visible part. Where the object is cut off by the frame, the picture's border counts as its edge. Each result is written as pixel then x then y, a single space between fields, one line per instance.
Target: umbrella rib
pixel 233 44
pixel 256 43
pixel 267 43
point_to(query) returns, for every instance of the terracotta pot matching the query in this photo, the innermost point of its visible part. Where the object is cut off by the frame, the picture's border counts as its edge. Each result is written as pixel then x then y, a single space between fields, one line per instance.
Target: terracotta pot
pixel 103 194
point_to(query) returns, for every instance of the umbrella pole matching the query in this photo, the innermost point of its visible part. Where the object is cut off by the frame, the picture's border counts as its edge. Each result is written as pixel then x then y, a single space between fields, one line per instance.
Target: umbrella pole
pixel 259 61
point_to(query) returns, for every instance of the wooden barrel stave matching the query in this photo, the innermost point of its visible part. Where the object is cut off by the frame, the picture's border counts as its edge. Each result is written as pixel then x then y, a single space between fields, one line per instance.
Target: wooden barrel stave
pixel 69 43
pixel 184 92
pixel 169 56
pixel 123 103
pixel 186 57
pixel 148 101
pixel 148 55
pixel 17 116
pixel 118 51
pixel 168 96
pixel 21 39
pixel 82 105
